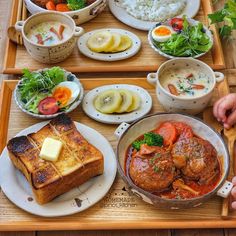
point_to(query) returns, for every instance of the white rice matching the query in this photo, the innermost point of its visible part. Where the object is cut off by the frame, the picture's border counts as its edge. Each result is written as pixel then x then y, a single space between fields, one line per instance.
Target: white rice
pixel 153 10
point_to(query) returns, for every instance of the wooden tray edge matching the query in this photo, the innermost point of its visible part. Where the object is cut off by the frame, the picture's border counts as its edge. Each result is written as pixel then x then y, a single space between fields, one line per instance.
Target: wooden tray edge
pixel 112 225
pixel 217 52
pixel 58 224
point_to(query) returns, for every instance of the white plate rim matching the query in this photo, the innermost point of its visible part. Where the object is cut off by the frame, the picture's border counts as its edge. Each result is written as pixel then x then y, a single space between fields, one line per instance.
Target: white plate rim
pixel 144 109
pixel 98 187
pixel 133 50
pixel 127 19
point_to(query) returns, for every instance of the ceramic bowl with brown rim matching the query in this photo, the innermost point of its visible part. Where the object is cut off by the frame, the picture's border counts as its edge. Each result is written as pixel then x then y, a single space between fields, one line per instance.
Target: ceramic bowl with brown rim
pixel 127 134
pixel 55 52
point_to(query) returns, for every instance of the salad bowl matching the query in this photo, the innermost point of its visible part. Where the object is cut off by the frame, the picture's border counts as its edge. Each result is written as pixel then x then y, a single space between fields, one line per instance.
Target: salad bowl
pixel 68 77
pixel 175 48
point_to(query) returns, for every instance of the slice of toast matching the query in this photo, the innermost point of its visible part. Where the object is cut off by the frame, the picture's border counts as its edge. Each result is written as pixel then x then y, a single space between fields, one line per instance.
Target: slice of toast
pixel 78 161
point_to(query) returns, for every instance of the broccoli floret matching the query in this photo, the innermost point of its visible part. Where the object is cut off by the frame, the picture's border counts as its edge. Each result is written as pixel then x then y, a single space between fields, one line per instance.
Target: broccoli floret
pixel 152 139
pixel 137 144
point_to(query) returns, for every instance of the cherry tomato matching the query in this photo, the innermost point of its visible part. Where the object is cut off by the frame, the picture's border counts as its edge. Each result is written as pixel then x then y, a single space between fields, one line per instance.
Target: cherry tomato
pixel 177 24
pixel 48 106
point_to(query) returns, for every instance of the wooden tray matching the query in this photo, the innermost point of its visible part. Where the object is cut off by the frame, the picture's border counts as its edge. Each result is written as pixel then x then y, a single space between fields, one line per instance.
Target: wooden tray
pixel 146 60
pixel 118 210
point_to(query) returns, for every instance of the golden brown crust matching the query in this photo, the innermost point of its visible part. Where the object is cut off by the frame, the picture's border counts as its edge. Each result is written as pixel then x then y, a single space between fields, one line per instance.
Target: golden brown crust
pixel 78 161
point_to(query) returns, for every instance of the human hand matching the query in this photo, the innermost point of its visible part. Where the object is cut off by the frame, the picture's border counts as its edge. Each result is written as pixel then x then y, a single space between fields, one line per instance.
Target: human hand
pixel 233 193
pixel 226 103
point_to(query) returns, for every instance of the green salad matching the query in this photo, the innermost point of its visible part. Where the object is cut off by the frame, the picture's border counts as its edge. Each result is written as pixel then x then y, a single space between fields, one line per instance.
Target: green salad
pixel 48 91
pixel 186 40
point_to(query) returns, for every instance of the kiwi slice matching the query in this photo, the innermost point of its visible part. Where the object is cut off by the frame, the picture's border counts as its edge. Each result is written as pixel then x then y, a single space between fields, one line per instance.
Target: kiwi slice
pixel 108 101
pixel 126 100
pixel 135 102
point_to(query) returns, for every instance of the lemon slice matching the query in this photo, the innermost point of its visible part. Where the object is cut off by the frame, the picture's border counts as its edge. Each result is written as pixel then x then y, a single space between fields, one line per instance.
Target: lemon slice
pixel 100 41
pixel 125 44
pixel 116 42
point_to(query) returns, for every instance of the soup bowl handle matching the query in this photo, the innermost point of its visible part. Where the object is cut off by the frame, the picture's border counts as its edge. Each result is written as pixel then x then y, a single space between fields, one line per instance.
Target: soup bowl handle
pixel 19 25
pixel 121 129
pixel 152 78
pixel 219 76
pixel 225 190
pixel 78 31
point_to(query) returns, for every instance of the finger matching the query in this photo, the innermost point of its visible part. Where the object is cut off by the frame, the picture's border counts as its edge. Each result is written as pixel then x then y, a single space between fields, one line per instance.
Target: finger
pixel 231 120
pixel 233 192
pixel 224 105
pixel 215 108
pixel 234 205
pixel 234 181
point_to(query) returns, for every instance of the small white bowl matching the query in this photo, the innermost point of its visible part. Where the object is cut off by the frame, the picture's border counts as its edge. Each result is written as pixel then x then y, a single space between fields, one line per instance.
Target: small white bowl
pixel 53 53
pixel 192 22
pixel 79 16
pixel 73 106
pixel 172 103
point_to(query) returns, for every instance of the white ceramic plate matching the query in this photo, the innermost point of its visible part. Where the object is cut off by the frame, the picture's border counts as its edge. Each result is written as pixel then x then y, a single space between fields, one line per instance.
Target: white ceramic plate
pixel 70 77
pixel 90 110
pixel 82 44
pixel 120 13
pixel 18 190
pixel 192 22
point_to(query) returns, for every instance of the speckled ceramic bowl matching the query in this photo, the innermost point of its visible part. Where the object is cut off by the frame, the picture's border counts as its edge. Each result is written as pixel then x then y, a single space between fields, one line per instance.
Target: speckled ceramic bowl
pixel 54 53
pixel 128 133
pixel 172 103
pixel 69 77
pixel 158 50
pixel 79 16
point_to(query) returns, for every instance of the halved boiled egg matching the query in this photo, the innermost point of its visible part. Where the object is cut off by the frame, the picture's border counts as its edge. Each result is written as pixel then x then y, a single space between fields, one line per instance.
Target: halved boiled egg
pixel 162 33
pixel 65 93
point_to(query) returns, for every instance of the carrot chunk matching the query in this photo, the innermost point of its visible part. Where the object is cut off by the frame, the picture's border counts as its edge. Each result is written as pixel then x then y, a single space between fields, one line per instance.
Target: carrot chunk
pixel 198 86
pixel 50 6
pixel 168 131
pixel 39 38
pixel 173 90
pixel 62 7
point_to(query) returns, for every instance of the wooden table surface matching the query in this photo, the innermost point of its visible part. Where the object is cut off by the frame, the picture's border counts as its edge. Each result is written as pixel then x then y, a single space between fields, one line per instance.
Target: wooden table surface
pixel 229 47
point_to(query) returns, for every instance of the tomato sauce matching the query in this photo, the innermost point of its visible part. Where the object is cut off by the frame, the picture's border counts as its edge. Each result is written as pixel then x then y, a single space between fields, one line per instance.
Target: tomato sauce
pixel 179 193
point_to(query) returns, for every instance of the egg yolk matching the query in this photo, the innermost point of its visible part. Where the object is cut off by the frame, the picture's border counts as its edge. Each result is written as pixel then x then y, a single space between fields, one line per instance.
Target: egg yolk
pixel 62 95
pixel 162 31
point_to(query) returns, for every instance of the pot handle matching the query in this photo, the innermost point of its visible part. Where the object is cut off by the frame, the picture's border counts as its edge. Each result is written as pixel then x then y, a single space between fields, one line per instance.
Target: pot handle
pixel 219 76
pixel 225 190
pixel 121 129
pixel 78 31
pixel 152 78
pixel 19 25
pixel 99 8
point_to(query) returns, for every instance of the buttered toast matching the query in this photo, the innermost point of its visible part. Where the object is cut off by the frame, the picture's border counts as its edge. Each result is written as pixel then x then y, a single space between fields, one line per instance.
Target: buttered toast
pixel 78 160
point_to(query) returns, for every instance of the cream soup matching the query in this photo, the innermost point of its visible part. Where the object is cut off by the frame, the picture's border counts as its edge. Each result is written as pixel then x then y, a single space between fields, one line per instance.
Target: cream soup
pixel 49 33
pixel 187 82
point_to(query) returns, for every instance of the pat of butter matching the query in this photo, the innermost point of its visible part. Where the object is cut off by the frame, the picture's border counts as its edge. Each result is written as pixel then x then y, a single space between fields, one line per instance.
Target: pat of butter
pixel 51 149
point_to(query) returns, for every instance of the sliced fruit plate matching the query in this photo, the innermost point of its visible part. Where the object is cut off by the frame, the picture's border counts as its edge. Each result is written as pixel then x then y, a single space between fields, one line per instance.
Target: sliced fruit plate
pixel 132 12
pixel 48 92
pixel 180 37
pixel 109 44
pixel 114 104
